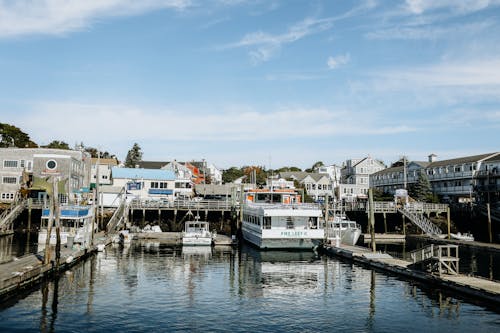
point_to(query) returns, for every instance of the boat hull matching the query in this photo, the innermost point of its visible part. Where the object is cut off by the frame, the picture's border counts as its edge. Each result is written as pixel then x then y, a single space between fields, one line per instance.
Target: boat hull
pixel 196 241
pixel 283 239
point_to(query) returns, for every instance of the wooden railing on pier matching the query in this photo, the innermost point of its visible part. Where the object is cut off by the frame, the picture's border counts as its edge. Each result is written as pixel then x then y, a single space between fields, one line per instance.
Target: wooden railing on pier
pixel 210 205
pixel 391 207
pixel 437 258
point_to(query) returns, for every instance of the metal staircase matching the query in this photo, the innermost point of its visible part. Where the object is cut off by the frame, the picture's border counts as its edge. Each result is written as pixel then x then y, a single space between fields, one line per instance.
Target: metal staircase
pixel 421 221
pixel 120 214
pixel 11 213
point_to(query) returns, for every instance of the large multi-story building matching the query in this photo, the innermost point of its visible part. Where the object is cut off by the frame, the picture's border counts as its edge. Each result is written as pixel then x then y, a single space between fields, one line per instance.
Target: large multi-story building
pixel 31 168
pixel 356 178
pixel 454 179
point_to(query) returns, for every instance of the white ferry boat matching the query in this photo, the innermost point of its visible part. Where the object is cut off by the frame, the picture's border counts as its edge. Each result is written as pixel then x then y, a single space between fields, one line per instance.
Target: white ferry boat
pixel 346 231
pixel 75 223
pixel 196 233
pixel 278 220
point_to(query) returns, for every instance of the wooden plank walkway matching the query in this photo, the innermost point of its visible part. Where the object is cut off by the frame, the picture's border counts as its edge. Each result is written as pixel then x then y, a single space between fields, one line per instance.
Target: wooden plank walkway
pixel 475 287
pixel 175 238
pixel 28 270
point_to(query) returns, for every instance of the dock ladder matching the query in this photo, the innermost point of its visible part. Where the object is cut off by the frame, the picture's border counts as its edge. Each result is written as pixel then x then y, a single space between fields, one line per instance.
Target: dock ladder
pixel 437 258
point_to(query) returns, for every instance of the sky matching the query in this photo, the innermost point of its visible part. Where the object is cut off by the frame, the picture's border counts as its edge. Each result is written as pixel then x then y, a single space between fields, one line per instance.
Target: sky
pixel 255 82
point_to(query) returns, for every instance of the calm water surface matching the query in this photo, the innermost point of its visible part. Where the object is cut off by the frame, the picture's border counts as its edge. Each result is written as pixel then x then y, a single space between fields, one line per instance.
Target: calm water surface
pixel 150 287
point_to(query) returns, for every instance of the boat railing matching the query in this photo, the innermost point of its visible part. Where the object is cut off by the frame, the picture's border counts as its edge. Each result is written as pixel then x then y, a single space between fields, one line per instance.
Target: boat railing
pixel 311 206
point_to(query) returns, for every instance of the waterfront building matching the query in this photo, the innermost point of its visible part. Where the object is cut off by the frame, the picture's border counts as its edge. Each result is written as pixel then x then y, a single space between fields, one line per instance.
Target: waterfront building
pixel 454 179
pixel 333 171
pixel 31 168
pixel 355 178
pixel 317 185
pixel 102 166
pixel 145 183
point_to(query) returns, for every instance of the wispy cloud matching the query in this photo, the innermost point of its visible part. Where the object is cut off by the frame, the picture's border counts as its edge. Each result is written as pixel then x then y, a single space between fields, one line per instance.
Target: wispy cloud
pixel 239 123
pixel 431 32
pixel 338 61
pixel 264 46
pixel 55 17
pixel 468 73
pixel 458 7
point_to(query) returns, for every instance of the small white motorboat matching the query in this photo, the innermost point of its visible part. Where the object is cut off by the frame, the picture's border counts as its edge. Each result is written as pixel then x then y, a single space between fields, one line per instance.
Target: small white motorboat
pixel 464 237
pixel 196 233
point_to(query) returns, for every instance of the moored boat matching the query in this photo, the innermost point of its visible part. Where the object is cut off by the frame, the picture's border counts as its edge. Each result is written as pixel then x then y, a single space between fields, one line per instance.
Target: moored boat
pixel 276 219
pixel 75 225
pixel 347 231
pixel 197 233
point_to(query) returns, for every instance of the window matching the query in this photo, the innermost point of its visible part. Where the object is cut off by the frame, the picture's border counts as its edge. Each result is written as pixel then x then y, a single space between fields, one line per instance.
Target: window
pixel 457 168
pixel 9 180
pixel 9 164
pixel 7 196
pixel 51 164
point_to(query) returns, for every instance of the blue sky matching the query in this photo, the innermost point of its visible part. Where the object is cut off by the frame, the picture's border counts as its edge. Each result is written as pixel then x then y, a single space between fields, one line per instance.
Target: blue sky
pixel 255 82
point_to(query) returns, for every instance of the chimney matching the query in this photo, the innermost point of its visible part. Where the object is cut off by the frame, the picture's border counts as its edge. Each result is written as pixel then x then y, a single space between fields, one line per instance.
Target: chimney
pixel 432 158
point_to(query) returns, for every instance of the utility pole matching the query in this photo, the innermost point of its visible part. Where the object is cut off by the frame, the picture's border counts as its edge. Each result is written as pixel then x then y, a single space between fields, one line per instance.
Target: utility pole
pixel 371 220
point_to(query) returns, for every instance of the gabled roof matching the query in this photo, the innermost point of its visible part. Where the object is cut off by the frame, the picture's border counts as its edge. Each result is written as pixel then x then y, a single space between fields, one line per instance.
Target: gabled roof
pixel 400 168
pixel 147 174
pixel 151 164
pixel 301 175
pixel 461 160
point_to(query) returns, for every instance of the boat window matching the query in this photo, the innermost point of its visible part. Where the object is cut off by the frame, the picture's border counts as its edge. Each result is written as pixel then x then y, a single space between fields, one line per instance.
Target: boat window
pixel 344 225
pixel 267 222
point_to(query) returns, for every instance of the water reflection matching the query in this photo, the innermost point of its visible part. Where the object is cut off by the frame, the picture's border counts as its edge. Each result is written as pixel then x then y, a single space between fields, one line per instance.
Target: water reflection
pixel 155 287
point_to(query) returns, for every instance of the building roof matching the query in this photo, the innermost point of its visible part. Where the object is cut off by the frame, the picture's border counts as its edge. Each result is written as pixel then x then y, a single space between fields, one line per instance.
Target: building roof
pixel 151 164
pixel 138 173
pixel 104 161
pixel 301 175
pixel 461 160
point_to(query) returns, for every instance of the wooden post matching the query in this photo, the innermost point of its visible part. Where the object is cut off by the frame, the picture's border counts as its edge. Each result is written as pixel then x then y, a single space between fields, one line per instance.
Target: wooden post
pixel 49 230
pixel 371 220
pixel 29 215
pixel 404 226
pixel 489 222
pixel 385 222
pixel 58 220
pixel 448 218
pixel 242 201
pixel 326 220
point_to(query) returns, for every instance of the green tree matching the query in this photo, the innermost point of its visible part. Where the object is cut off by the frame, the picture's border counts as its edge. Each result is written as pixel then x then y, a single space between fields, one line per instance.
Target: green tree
pixel 314 166
pixel 231 174
pixel 12 136
pixel 422 190
pixel 55 144
pixel 134 156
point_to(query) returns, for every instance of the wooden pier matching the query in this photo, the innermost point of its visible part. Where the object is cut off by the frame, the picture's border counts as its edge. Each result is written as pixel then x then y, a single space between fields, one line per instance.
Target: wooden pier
pixel 472 287
pixel 25 272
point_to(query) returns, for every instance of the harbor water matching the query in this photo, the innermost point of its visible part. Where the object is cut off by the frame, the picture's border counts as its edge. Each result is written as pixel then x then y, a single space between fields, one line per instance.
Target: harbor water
pixel 152 287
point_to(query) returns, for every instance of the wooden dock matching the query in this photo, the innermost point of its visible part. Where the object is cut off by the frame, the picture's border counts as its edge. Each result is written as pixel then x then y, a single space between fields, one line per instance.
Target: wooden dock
pixel 472 287
pixel 175 238
pixel 26 271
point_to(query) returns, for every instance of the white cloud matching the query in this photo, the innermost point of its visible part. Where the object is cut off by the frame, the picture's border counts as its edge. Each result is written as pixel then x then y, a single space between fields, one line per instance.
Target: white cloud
pixel 469 73
pixel 430 32
pixel 336 62
pixel 461 6
pixel 23 17
pixel 73 122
